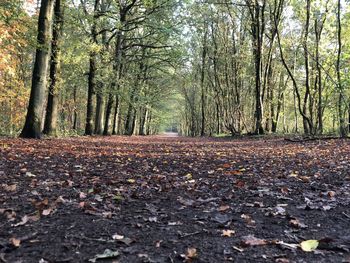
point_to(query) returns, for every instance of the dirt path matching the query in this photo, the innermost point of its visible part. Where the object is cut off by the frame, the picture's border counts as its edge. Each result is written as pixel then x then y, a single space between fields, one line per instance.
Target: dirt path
pixel 173 199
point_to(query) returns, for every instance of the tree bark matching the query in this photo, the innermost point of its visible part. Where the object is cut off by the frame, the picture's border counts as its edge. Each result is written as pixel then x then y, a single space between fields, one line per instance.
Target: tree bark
pixel 89 126
pixel 32 127
pixel 50 126
pixel 203 90
pixel 341 100
pixel 100 104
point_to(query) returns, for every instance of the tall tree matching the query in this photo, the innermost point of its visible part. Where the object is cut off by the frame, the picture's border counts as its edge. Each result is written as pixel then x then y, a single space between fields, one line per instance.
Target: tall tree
pixel 32 127
pixel 341 100
pixel 50 126
pixel 89 125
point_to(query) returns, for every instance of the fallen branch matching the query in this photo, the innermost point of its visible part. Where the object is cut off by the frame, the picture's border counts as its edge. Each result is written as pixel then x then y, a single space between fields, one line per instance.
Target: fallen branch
pixel 306 139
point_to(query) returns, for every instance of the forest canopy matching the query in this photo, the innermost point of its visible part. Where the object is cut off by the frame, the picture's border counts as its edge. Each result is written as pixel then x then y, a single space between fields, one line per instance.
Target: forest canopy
pixel 197 67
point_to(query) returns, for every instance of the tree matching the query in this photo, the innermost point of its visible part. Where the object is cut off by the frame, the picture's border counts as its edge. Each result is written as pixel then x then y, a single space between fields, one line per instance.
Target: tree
pixel 33 124
pixel 50 126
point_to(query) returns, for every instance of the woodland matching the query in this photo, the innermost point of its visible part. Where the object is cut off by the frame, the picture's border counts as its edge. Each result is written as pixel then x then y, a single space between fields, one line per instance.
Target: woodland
pixel 174 131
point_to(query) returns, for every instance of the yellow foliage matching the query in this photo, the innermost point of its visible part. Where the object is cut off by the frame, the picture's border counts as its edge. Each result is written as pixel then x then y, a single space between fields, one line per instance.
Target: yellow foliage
pixel 13 93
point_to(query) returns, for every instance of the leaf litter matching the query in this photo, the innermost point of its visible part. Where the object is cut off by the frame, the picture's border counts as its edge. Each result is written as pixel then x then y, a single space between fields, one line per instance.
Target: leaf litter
pixel 157 199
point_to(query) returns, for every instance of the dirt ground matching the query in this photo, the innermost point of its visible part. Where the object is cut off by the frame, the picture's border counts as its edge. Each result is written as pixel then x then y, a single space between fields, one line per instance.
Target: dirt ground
pixel 173 199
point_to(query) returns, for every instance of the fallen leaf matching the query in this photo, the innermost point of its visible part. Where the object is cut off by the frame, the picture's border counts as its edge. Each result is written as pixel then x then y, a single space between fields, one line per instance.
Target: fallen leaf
pixel 331 193
pixel 15 242
pixel 46 212
pixel 188 176
pixel 10 188
pixel 131 181
pixel 117 236
pixel 223 208
pixel 158 243
pixel 227 233
pixel 106 254
pixel 296 223
pixel 251 240
pixel 29 174
pixel 191 253
pixel 309 245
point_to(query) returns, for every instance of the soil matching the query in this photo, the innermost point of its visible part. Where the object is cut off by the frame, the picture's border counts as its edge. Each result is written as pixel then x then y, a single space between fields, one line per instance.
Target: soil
pixel 173 199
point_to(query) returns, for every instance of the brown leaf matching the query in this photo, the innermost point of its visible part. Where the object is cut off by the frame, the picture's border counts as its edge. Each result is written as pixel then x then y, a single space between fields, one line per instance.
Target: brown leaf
pixel 296 223
pixel 331 193
pixel 251 240
pixel 227 233
pixel 191 253
pixel 15 242
pixel 10 188
pixel 224 208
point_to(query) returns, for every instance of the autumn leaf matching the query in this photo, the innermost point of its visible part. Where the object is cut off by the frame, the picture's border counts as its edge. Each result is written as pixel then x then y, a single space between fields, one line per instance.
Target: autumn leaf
pixel 107 254
pixel 46 212
pixel 227 233
pixel 224 208
pixel 309 245
pixel 251 240
pixel 15 242
pixel 191 253
pixel 10 188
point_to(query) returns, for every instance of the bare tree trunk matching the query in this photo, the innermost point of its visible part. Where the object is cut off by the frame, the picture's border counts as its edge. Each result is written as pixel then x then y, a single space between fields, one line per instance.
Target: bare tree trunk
pixel 100 103
pixel 116 116
pixel 50 126
pixel 203 90
pixel 32 126
pixel 89 126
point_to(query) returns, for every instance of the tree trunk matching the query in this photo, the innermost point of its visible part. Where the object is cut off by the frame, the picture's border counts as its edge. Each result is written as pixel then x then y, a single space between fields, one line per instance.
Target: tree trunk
pixel 32 126
pixel 203 91
pixel 341 99
pixel 116 116
pixel 100 104
pixel 75 111
pixel 109 108
pixel 89 126
pixel 50 126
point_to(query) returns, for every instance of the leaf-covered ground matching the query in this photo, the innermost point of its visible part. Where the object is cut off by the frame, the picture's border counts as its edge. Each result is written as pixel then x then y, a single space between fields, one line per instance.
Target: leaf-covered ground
pixel 159 199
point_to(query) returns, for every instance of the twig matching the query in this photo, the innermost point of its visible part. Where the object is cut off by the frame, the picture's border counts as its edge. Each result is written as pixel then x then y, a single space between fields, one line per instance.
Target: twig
pixel 93 239
pixel 189 234
pixel 238 249
pixel 346 215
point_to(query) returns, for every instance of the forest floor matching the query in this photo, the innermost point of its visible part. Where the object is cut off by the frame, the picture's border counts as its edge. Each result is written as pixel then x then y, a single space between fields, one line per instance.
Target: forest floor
pixel 173 199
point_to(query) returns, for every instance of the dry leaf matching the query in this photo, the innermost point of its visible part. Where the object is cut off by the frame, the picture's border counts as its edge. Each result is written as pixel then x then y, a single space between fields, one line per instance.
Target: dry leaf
pixel 10 188
pixel 46 212
pixel 15 242
pixel 227 233
pixel 117 237
pixel 331 193
pixel 296 223
pixel 191 253
pixel 158 243
pixel 251 240
pixel 223 208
